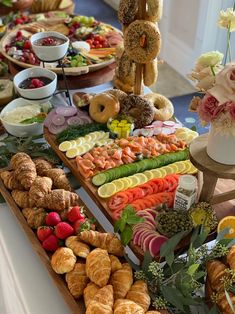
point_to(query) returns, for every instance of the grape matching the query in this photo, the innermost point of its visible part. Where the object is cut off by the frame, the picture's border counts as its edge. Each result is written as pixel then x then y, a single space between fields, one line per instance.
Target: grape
pixel 91 20
pixel 74 63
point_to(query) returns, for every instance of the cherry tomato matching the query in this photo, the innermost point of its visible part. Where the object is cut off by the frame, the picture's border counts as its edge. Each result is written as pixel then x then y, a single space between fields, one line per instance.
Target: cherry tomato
pixel 99 46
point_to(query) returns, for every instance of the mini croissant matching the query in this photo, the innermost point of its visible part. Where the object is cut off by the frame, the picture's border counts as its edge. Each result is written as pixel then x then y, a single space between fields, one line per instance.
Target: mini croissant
pixel 98 267
pixel 122 281
pixel 21 198
pixel 106 241
pixel 59 178
pixel 39 189
pixel 216 271
pixel 77 280
pixel 102 302
pixel 10 181
pixel 231 257
pixel 115 263
pixel 35 216
pixel 89 292
pixel 42 166
pixel 139 294
pixel 63 260
pixel 59 200
pixel 79 248
pixel 123 306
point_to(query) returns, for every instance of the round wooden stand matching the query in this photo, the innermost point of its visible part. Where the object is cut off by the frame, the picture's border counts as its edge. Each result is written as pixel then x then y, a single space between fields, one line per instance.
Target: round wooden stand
pixel 211 170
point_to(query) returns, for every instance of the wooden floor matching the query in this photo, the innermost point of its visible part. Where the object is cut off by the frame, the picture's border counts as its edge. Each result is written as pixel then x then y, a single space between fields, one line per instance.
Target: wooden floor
pixel 226 208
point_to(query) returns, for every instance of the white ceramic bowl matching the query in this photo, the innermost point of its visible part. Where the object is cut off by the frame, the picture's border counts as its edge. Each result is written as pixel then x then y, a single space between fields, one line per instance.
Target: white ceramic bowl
pixel 16 129
pixel 38 95
pixel 49 53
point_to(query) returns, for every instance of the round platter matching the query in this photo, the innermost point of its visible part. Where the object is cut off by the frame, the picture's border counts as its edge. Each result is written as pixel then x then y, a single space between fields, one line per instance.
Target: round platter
pixel 53 24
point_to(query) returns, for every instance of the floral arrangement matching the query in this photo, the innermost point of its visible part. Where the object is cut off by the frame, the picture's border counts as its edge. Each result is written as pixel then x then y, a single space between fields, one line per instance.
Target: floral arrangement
pixel 215 79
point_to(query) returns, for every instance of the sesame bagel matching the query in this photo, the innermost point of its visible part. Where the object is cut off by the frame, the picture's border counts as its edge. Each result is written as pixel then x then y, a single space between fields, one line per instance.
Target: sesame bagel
pixel 150 74
pixel 126 69
pixel 127 11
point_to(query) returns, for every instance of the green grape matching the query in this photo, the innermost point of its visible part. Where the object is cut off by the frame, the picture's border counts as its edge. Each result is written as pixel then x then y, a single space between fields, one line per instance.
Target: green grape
pixel 76 19
pixel 91 20
pixel 74 63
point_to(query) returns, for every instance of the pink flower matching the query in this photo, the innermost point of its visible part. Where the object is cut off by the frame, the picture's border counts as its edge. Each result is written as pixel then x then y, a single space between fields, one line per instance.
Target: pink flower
pixel 208 108
pixel 231 108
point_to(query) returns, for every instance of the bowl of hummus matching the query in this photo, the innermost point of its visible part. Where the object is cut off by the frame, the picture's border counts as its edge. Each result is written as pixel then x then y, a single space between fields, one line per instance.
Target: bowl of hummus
pixel 22 118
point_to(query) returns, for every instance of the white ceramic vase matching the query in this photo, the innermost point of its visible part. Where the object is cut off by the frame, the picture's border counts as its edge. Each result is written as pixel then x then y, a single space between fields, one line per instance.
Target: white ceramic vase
pixel 221 148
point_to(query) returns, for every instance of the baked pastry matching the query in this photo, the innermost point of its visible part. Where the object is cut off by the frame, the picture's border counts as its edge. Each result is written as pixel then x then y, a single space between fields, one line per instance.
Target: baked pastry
pixel 59 200
pixel 35 216
pixel 42 166
pixel 103 106
pixel 58 176
pixel 126 69
pixel 216 271
pixel 231 257
pixel 115 263
pixel 106 241
pixel 63 260
pixel 98 267
pixel 122 281
pixel 164 108
pixel 139 108
pixel 89 292
pixel 77 280
pixel 223 304
pixel 102 302
pixel 150 73
pixel 154 10
pixel 21 198
pixel 125 87
pixel 79 248
pixel 122 306
pixel 127 11
pixel 120 95
pixel 139 294
pixel 10 181
pixel 153 312
pixel 142 41
pixel 40 188
pixel 25 169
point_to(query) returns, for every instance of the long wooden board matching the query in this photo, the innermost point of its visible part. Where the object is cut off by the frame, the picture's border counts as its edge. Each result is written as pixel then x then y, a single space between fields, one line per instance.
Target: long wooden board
pixel 76 307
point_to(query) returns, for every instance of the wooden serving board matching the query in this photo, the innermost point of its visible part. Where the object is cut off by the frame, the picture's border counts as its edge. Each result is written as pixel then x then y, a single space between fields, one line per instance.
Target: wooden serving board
pixel 76 307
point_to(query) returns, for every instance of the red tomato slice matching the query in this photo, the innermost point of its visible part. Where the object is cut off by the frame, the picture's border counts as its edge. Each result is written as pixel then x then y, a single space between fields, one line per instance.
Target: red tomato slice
pixel 172 183
pixel 147 189
pixel 160 185
pixel 129 195
pixel 116 215
pixel 137 193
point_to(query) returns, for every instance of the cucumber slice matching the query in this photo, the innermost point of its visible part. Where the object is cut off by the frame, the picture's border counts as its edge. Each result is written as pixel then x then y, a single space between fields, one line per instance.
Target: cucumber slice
pixel 99 179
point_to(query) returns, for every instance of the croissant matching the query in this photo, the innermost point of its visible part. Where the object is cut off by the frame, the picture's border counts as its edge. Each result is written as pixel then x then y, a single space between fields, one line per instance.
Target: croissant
pixel 115 263
pixel 42 166
pixel 25 169
pixel 63 260
pixel 79 248
pixel 40 187
pixel 35 217
pixel 152 312
pixel 106 241
pixel 59 179
pixel 98 267
pixel 122 281
pixel 216 271
pixel 59 200
pixel 10 182
pixel 223 304
pixel 122 306
pixel 231 257
pixel 21 198
pixel 102 301
pixel 77 280
pixel 139 294
pixel 89 293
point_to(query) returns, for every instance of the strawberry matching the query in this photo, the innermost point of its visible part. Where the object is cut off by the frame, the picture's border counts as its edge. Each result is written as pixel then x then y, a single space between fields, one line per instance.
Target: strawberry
pixel 27 45
pixel 52 219
pixel 43 232
pixel 63 230
pixel 77 224
pixel 51 243
pixel 75 214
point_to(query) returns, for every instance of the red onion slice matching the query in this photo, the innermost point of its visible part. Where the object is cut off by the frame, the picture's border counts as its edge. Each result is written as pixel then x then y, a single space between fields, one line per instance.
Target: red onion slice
pixel 66 111
pixel 58 119
pixel 55 129
pixel 75 121
pixel 49 116
pixel 86 119
pixel 169 123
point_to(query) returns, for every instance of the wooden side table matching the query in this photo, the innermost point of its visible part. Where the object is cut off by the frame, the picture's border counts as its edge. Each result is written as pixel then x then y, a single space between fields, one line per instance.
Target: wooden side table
pixel 211 170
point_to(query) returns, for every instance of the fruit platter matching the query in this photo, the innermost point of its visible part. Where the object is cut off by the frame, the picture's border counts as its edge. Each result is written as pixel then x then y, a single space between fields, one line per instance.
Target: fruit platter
pixel 91 43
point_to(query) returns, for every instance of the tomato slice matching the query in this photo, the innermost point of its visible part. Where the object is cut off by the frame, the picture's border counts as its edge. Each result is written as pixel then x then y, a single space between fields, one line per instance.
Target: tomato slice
pixel 172 183
pixel 129 195
pixel 160 185
pixel 137 193
pixel 147 189
pixel 116 215
pixel 118 201
pixel 167 198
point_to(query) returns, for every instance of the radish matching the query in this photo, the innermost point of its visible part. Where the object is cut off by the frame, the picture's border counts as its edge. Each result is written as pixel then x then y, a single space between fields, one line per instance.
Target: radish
pixel 155 245
pixel 142 237
pixel 149 225
pixel 147 240
pixel 136 236
pixel 152 212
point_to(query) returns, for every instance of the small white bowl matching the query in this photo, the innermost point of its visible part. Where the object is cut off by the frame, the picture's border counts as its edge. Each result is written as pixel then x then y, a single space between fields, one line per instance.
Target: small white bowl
pixel 16 129
pixel 38 95
pixel 49 53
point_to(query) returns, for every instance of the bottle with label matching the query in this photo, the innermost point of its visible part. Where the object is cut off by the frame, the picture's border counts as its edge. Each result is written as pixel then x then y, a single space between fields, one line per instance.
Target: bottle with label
pixel 186 192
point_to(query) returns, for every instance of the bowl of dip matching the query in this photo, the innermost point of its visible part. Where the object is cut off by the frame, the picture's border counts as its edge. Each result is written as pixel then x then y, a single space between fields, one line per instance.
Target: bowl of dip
pixel 49 46
pixel 35 84
pixel 17 117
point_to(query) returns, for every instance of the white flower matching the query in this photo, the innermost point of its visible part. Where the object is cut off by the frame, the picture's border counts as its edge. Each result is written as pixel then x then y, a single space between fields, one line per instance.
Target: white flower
pixel 224 125
pixel 209 59
pixel 227 19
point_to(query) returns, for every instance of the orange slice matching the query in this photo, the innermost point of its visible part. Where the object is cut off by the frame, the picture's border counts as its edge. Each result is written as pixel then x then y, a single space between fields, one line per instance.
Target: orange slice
pixel 227 222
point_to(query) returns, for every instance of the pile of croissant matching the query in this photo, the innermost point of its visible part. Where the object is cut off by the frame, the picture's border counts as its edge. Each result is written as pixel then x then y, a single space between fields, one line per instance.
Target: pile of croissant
pixel 90 262
pixel 36 185
pixel 217 271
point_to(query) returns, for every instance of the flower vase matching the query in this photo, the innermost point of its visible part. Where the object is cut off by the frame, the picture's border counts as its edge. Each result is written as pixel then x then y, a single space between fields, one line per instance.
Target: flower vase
pixel 221 147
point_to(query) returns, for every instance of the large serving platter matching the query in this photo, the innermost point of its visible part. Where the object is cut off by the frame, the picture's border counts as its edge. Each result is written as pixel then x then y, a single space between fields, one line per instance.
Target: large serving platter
pixel 51 24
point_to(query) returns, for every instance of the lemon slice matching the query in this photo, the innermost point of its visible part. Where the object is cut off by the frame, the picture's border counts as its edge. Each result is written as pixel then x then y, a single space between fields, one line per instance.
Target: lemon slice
pixel 192 170
pixel 156 173
pixel 126 182
pixel 191 137
pixel 167 169
pixel 180 166
pixel 134 180
pixel 119 184
pixel 107 190
pixel 174 168
pixel 80 141
pixel 180 131
pixel 141 177
pixel 188 166
pixel 149 174
pixel 73 152
pixel 64 146
pixel 163 172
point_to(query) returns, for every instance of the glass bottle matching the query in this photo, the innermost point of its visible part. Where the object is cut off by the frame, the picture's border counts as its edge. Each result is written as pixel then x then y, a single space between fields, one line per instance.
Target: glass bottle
pixel 186 192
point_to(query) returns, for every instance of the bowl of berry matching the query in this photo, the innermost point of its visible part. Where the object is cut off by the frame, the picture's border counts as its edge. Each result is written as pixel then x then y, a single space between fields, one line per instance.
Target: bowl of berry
pixel 49 46
pixel 35 84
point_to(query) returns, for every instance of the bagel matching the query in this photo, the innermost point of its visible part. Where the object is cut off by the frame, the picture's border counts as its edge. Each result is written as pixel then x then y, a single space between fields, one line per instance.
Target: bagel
pixel 119 94
pixel 154 10
pixel 164 108
pixel 122 86
pixel 127 11
pixel 150 73
pixel 139 108
pixel 103 106
pixel 125 70
pixel 142 41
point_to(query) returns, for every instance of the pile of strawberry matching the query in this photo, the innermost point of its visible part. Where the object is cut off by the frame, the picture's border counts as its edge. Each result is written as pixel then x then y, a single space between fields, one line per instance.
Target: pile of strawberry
pixel 55 231
pixel 36 83
pixel 20 19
